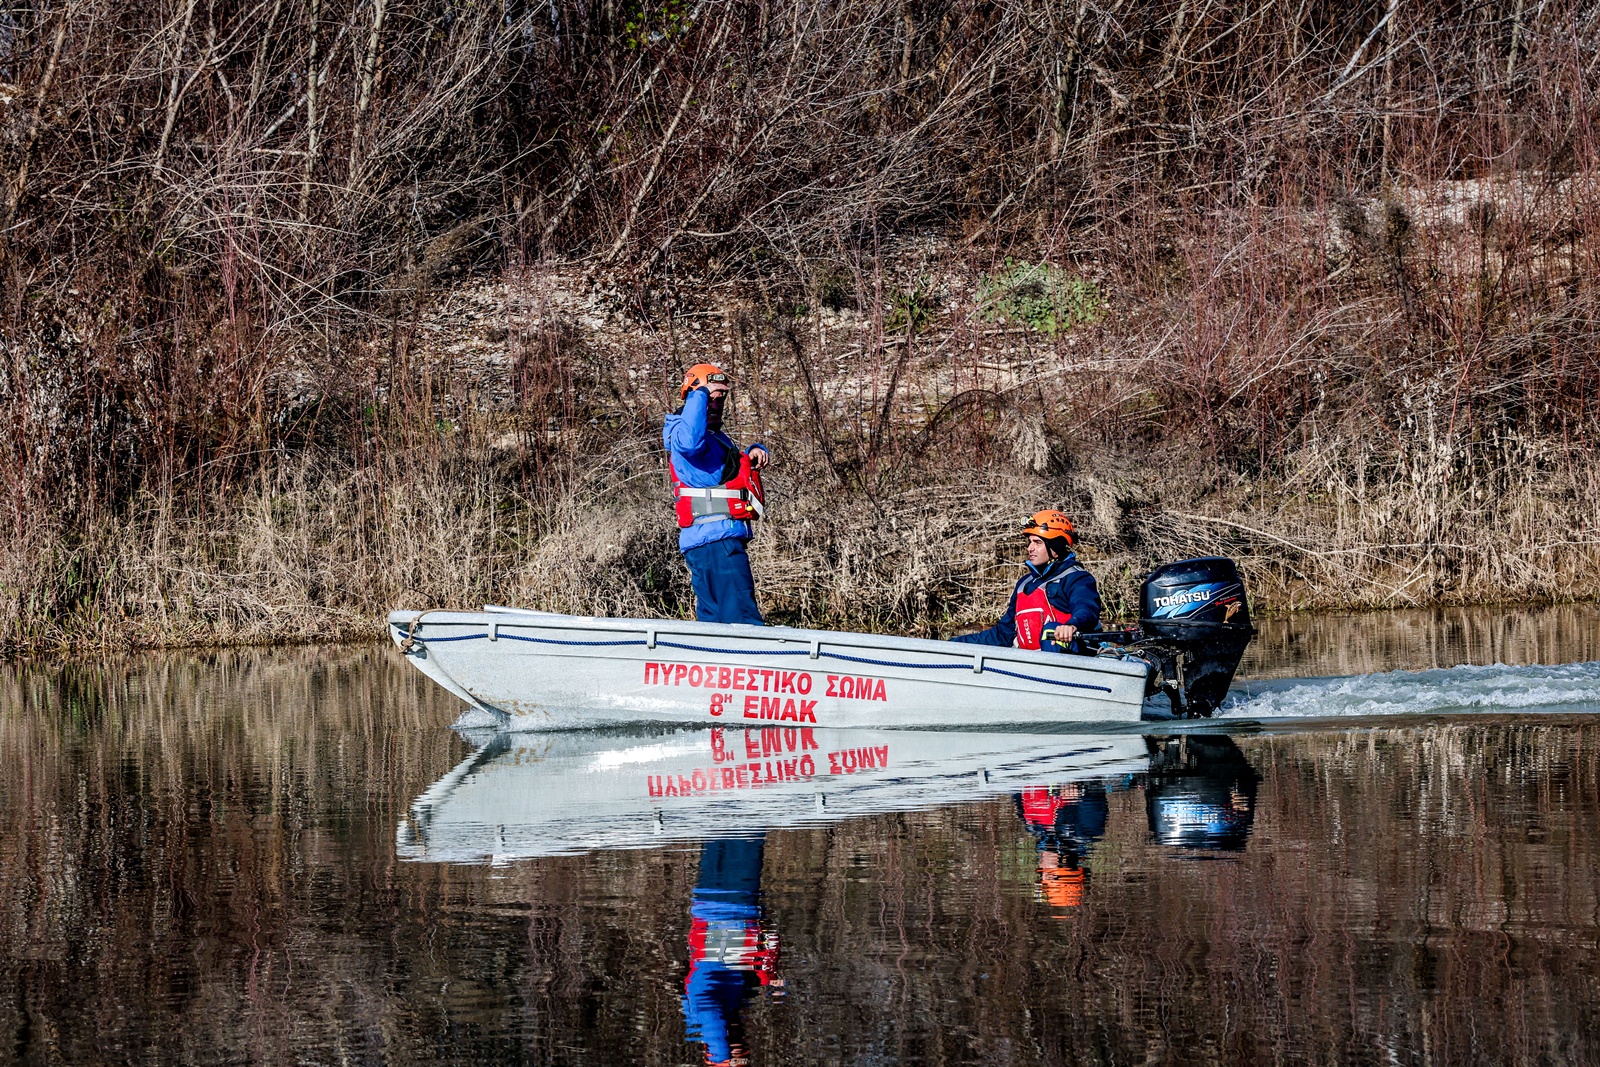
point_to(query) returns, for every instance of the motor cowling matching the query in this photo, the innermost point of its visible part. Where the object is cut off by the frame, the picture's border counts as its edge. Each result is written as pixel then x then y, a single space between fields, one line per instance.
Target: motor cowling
pixel 1195 622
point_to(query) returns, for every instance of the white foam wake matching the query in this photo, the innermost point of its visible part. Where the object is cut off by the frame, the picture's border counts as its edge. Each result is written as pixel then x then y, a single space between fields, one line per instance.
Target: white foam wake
pixel 1567 687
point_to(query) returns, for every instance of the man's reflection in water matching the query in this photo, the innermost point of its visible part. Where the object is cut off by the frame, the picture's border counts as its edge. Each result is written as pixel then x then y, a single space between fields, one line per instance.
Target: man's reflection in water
pixel 1064 820
pixel 1200 792
pixel 731 952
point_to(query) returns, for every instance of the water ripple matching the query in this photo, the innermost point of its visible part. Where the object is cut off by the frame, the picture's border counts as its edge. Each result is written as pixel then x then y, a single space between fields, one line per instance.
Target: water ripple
pixel 1536 688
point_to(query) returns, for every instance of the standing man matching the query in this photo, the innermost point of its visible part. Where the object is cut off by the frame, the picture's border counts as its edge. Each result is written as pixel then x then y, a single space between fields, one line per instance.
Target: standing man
pixel 717 492
pixel 1054 600
pixel 733 949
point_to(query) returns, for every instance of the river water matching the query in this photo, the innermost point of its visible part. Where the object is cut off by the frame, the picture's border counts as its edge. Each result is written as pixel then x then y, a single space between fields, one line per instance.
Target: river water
pixel 1384 852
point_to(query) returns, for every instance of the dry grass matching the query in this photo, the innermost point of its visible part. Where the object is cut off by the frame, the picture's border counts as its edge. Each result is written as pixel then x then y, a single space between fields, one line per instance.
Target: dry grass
pixel 310 553
pixel 321 554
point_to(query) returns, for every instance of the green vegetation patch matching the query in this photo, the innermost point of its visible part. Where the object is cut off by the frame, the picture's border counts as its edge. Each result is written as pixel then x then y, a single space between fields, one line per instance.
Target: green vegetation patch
pixel 1039 295
pixel 651 24
pixel 912 309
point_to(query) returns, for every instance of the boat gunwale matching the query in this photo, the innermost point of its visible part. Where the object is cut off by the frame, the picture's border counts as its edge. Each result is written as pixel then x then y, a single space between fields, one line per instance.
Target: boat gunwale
pixel 653 629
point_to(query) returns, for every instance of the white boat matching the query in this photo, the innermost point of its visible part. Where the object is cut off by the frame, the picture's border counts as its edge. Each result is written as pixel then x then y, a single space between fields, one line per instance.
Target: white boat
pixel 526 795
pixel 529 670
pixel 533 670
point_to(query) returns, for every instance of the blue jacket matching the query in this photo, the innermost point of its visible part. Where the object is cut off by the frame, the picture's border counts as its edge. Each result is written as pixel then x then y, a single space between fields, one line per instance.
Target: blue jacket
pixel 698 454
pixel 1076 595
pixel 724 944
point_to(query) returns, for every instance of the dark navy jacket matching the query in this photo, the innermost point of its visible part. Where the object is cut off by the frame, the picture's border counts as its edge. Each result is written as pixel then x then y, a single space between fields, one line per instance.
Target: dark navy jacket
pixel 1077 596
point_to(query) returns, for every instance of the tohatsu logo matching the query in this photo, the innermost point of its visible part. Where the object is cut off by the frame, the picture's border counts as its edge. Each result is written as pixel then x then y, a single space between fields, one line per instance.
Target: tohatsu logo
pixel 1191 596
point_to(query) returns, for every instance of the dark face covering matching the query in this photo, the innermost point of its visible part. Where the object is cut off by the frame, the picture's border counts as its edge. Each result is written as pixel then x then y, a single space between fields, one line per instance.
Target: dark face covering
pixel 714 412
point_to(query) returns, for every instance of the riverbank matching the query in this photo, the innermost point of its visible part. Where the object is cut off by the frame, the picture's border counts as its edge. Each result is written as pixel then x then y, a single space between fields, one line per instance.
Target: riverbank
pixel 511 454
pixel 280 351
pixel 319 551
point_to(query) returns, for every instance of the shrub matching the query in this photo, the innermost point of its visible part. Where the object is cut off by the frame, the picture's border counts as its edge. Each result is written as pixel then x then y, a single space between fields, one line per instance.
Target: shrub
pixel 1039 295
pixel 912 309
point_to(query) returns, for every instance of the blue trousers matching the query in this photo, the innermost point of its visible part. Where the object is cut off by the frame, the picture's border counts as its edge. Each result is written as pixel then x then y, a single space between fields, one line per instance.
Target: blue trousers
pixel 723 588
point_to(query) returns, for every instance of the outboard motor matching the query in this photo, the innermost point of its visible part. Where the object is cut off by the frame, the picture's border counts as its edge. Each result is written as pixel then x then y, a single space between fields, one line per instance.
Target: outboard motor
pixel 1195 623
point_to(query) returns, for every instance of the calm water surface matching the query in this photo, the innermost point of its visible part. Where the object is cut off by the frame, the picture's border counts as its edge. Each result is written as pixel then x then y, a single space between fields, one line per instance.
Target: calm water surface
pixel 288 857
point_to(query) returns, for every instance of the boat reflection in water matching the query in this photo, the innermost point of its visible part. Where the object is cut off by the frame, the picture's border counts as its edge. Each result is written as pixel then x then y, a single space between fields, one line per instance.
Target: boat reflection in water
pixel 529 795
pixel 545 794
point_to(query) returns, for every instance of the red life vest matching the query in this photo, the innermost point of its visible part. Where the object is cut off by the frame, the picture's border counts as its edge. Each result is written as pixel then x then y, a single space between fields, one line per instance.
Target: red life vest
pixel 739 945
pixel 1034 612
pixel 738 497
pixel 1040 806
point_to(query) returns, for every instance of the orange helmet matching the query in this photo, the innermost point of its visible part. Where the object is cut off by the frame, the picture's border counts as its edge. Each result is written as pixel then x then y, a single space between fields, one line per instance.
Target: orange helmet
pixel 1048 524
pixel 700 375
pixel 1062 887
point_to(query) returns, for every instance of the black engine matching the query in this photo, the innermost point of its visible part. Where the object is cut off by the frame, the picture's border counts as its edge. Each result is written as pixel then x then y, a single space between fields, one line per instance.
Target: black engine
pixel 1194 624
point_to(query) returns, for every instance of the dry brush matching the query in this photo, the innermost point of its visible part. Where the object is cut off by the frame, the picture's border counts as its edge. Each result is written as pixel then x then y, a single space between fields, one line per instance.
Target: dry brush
pixel 1330 275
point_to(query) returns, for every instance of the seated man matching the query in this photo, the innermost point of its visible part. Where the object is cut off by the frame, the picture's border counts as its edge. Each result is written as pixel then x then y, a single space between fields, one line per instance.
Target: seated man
pixel 1054 601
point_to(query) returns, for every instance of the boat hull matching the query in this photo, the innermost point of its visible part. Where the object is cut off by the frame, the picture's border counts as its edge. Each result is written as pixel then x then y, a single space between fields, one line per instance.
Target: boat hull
pixel 531 670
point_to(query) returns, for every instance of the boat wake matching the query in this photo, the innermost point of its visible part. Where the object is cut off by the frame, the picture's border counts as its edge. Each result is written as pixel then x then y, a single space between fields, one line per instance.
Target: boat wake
pixel 1537 688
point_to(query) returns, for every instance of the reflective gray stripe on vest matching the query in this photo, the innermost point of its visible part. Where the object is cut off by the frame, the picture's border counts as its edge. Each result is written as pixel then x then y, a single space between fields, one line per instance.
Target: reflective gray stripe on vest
pixel 1048 582
pixel 713 502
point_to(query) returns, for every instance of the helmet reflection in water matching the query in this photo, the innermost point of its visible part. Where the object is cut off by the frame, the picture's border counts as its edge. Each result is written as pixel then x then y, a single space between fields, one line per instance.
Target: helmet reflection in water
pixel 732 952
pixel 1060 887
pixel 1065 821
pixel 1200 793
